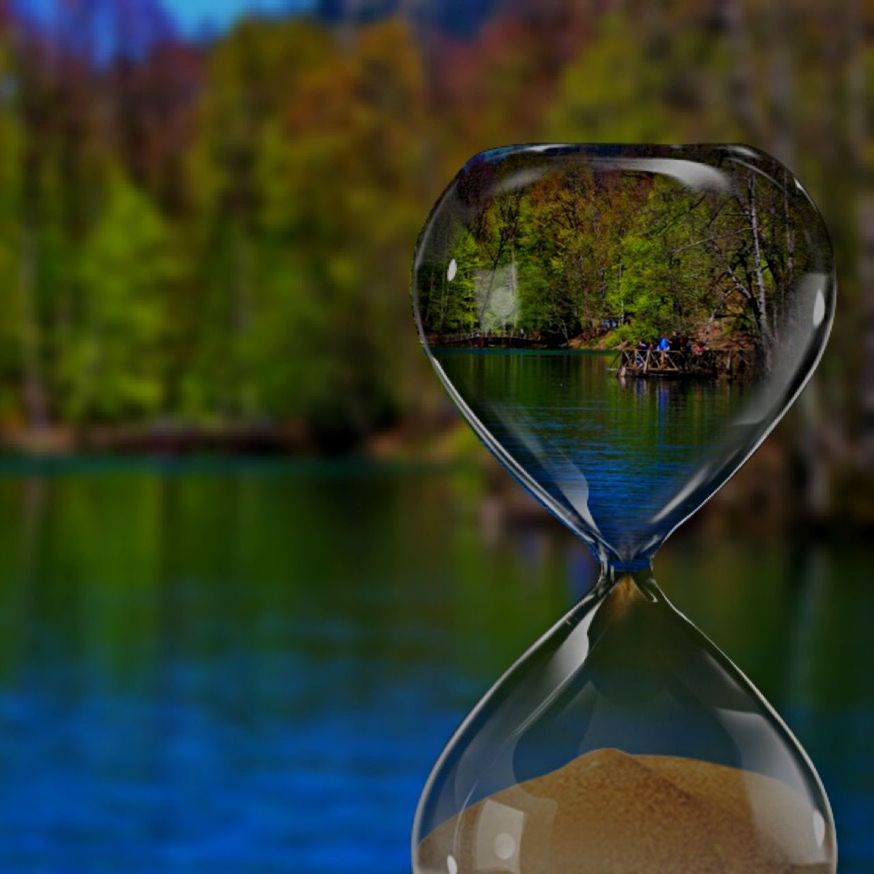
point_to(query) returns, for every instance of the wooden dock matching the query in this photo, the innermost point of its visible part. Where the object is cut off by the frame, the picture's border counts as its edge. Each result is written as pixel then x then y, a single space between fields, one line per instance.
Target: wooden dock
pixel 731 362
pixel 674 363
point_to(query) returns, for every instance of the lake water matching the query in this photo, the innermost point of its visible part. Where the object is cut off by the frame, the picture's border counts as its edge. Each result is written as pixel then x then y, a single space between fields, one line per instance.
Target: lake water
pixel 251 667
pixel 616 453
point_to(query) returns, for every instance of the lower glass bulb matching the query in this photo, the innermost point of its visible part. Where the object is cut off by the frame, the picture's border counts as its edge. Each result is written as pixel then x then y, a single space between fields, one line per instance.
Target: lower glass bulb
pixel 624 741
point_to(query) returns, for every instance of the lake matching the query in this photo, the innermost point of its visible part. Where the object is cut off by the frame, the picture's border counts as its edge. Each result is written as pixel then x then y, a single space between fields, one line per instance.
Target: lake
pixel 251 666
pixel 615 453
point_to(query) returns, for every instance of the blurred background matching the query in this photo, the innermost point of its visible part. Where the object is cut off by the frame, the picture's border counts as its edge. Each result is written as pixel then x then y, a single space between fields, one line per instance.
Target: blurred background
pixel 253 569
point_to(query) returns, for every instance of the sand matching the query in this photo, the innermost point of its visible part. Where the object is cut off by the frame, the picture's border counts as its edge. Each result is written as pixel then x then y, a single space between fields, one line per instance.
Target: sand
pixel 608 812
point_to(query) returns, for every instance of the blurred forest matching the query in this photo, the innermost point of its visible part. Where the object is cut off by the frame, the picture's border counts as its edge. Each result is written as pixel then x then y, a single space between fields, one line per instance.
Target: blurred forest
pixel 216 234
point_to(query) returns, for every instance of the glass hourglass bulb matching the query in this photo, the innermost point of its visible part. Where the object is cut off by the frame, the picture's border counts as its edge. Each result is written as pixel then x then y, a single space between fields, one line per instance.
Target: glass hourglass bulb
pixel 624 741
pixel 622 326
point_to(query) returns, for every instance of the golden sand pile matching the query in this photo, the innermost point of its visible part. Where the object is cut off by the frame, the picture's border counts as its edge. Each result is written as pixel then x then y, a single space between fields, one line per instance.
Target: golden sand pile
pixel 612 813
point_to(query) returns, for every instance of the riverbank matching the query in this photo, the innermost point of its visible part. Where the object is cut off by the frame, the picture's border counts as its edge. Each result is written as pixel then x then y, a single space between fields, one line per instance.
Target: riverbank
pixel 770 493
pixel 158 439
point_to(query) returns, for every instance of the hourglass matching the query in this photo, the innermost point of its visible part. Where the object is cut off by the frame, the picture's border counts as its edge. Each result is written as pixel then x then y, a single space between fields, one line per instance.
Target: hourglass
pixel 622 326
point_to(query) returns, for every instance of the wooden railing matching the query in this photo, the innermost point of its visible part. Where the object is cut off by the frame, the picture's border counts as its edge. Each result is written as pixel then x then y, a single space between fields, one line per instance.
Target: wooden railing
pixel 478 339
pixel 673 362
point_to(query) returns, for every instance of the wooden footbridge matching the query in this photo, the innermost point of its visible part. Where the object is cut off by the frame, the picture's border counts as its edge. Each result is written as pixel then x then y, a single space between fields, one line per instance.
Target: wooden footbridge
pixel 504 341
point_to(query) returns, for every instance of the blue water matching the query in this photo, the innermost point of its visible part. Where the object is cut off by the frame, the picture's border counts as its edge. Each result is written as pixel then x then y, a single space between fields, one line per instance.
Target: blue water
pixel 251 668
pixel 616 453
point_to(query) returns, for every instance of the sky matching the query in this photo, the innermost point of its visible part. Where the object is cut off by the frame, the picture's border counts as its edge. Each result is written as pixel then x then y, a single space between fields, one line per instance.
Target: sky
pixel 193 16
pixel 197 19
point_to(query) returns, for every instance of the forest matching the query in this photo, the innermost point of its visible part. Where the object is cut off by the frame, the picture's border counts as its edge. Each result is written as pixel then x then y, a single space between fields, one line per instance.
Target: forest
pixel 587 256
pixel 217 233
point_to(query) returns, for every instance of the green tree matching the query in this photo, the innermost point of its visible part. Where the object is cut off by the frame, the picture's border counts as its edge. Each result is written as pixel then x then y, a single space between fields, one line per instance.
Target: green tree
pixel 114 365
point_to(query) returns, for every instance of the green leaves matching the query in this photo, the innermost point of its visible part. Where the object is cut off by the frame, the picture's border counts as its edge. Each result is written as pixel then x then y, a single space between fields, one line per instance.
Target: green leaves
pixel 113 368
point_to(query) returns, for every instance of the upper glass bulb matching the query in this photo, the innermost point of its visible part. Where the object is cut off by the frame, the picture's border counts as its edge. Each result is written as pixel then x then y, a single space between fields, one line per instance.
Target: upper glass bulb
pixel 664 305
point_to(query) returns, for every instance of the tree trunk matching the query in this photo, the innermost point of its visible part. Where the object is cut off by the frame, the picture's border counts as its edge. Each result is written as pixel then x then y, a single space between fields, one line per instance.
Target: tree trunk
pixel 246 401
pixel 864 304
pixel 33 388
pixel 866 281
pixel 766 329
pixel 743 76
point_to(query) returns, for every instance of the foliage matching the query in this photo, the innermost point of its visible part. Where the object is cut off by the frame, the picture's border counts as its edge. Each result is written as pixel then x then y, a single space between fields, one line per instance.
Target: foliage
pixel 221 232
pixel 588 250
pixel 113 370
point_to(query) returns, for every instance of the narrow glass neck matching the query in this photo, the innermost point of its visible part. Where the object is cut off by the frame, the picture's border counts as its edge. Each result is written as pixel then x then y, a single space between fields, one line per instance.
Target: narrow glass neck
pixel 616 567
pixel 634 566
pixel 640 570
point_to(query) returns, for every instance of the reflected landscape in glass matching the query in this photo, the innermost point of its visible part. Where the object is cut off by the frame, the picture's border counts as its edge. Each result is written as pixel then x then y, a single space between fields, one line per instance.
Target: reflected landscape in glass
pixel 706 269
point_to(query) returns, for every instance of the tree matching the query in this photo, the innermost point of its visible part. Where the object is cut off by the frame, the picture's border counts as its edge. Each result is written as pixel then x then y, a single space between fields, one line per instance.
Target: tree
pixel 114 366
